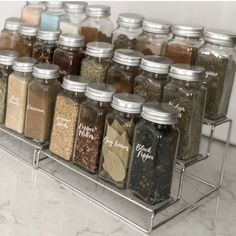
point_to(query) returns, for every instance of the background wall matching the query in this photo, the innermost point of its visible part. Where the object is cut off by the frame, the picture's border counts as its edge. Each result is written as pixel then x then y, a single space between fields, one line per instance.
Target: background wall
pixel 208 14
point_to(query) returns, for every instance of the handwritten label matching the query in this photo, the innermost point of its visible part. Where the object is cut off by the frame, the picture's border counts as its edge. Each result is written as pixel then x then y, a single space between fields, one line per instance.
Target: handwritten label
pixel 62 122
pixel 210 74
pixel 86 131
pixel 180 109
pixel 14 100
pixel 115 143
pixel 144 153
pixel 29 107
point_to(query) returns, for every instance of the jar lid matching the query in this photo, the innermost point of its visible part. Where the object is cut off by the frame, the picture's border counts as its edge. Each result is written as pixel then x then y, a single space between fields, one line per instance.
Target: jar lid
pixel 28 30
pixel 7 57
pixel 98 11
pixel 130 20
pixel 75 7
pixel 71 40
pixel 156 64
pixel 46 71
pixel 126 102
pixel 220 37
pixel 24 64
pixel 127 57
pixel 12 23
pixel 187 72
pixel 188 31
pixel 48 35
pixel 100 92
pixel 160 113
pixel 74 83
pixel 35 2
pixel 55 4
pixel 99 49
pixel 156 26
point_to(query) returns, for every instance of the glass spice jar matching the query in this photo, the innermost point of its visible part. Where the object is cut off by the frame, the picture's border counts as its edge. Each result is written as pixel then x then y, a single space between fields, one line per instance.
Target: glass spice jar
pixel 117 139
pixel 45 45
pixel 42 93
pixel 182 48
pixel 125 68
pixel 129 28
pixel 154 76
pixel 31 13
pixel 9 35
pixel 186 93
pixel 26 40
pixel 71 20
pixel 66 116
pixel 18 82
pixel 7 58
pixel 97 26
pixel 69 54
pixel 98 59
pixel 153 156
pixel 217 56
pixel 154 37
pixel 90 127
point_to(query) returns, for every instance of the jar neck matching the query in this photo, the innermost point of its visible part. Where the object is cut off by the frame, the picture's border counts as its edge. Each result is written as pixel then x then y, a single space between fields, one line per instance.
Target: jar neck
pixel 178 37
pixel 154 75
pixel 45 81
pixel 46 41
pixel 125 67
pixel 5 67
pixel 209 44
pixel 28 37
pixel 98 59
pixel 68 48
pixel 130 29
pixel 97 103
pixel 96 18
pixel 73 93
pixel 187 83
pixel 23 74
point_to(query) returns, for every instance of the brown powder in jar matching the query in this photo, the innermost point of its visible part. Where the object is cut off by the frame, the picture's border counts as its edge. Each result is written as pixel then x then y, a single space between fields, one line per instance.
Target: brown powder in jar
pixel 93 34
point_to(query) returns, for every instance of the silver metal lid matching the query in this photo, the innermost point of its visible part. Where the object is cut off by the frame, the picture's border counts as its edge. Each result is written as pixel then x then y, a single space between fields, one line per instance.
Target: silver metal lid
pixel 100 92
pixel 55 4
pixel 12 23
pixel 74 83
pixel 7 57
pixel 24 64
pixel 46 71
pixel 156 26
pixel 220 37
pixel 28 30
pixel 98 11
pixel 188 31
pixel 187 72
pixel 126 102
pixel 160 113
pixel 130 20
pixel 75 7
pixel 99 49
pixel 127 57
pixel 48 35
pixel 156 64
pixel 71 40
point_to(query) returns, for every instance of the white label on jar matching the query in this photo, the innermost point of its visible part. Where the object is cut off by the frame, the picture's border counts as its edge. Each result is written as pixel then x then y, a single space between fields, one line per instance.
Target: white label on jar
pixel 211 74
pixel 62 122
pixel 14 100
pixel 29 107
pixel 144 153
pixel 86 131
pixel 111 143
pixel 180 109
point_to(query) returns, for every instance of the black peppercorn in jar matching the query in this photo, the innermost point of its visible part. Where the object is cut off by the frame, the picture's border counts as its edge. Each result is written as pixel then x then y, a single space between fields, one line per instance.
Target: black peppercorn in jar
pixel 90 127
pixel 154 76
pixel 125 68
pixel 218 57
pixel 188 95
pixel 129 28
pixel 153 154
pixel 44 48
pixel 117 139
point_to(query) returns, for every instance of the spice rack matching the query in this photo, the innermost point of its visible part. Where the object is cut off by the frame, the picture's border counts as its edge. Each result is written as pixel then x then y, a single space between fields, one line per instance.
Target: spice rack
pixel 189 190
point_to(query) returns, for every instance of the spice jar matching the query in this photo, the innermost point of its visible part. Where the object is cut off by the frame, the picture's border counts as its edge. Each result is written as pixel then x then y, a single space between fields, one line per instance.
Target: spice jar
pixel 66 116
pixel 44 48
pixel 50 19
pixel 154 38
pixel 17 93
pixel 69 54
pixel 185 43
pixel 98 58
pixel 97 26
pixel 9 35
pixel 150 83
pixel 117 139
pixel 129 28
pixel 154 151
pixel 42 93
pixel 125 68
pixel 74 14
pixel 31 13
pixel 7 58
pixel 26 40
pixel 188 95
pixel 91 123
pixel 217 56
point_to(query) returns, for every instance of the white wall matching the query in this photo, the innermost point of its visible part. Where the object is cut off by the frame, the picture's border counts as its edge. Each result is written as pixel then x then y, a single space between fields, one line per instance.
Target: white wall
pixel 208 14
